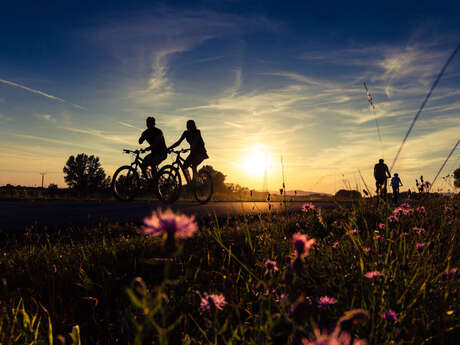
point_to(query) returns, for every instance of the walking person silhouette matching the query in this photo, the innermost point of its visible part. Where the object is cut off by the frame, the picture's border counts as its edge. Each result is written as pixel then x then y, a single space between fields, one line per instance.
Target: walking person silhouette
pixel 154 137
pixel 197 149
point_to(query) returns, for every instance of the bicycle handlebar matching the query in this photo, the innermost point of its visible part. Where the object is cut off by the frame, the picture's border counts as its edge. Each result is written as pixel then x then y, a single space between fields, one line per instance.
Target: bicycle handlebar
pixel 178 151
pixel 135 151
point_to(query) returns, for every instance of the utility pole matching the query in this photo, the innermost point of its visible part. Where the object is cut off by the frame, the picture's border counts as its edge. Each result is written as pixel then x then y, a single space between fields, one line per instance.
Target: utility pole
pixel 43 177
pixel 284 185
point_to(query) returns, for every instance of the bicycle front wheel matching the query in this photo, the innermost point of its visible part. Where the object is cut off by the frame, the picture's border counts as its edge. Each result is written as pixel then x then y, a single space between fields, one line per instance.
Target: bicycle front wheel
pixel 169 184
pixel 203 187
pixel 125 183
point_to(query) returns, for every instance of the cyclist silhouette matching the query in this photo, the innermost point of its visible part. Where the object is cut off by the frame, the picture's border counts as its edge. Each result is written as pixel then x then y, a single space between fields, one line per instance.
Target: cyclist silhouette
pixel 381 173
pixel 197 150
pixel 395 183
pixel 156 140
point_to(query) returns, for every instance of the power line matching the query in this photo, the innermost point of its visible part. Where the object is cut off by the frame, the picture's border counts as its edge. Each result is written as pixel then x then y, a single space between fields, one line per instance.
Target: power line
pixel 443 164
pixel 423 104
pixel 371 102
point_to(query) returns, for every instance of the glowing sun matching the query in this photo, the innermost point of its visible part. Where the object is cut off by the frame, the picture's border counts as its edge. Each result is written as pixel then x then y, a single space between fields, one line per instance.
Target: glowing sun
pixel 256 162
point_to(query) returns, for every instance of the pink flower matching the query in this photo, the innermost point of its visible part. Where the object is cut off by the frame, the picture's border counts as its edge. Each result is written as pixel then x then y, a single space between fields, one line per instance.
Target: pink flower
pixel 421 210
pixel 308 207
pixel 271 265
pixel 390 315
pixel 302 244
pixel 404 234
pixel 282 297
pixel 420 246
pixel 335 245
pixel 452 272
pixel 325 301
pixel 373 275
pixel 404 205
pixel 393 219
pixel 448 209
pixel 379 237
pixel 367 250
pixel 212 302
pixel 381 226
pixel 178 225
pixel 427 184
pixel 352 232
pixel 418 230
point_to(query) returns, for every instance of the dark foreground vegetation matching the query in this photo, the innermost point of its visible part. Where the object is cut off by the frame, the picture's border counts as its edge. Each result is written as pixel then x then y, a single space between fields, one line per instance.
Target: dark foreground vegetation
pixel 372 274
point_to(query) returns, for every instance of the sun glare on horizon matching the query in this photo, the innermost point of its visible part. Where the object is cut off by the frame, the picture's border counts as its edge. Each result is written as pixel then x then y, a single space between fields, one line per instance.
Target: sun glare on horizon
pixel 257 161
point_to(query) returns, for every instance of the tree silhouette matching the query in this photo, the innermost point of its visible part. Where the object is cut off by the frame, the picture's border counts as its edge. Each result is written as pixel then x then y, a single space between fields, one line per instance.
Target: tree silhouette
pixel 457 178
pixel 84 173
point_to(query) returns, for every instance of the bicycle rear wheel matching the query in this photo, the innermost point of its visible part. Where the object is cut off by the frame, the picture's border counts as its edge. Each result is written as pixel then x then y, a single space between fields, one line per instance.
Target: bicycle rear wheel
pixel 203 187
pixel 125 183
pixel 169 184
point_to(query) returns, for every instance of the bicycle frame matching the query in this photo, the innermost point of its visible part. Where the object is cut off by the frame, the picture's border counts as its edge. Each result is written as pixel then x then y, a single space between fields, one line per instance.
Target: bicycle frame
pixel 179 163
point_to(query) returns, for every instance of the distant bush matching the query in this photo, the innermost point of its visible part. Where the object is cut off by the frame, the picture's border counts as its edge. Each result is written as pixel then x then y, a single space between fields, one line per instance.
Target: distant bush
pixel 348 194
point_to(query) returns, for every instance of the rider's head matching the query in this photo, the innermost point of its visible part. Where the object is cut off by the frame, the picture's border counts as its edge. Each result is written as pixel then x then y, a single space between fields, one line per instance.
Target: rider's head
pixel 150 122
pixel 396 175
pixel 380 160
pixel 191 126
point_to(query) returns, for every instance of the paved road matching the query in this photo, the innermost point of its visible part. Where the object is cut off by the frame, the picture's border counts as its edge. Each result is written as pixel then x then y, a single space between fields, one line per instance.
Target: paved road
pixel 16 215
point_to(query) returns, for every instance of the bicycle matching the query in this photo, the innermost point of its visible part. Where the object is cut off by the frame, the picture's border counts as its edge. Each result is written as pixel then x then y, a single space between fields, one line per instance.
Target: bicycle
pixel 382 189
pixel 169 181
pixel 126 182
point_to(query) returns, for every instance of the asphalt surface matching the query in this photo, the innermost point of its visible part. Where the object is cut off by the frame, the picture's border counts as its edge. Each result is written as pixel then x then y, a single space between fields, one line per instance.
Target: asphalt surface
pixel 17 215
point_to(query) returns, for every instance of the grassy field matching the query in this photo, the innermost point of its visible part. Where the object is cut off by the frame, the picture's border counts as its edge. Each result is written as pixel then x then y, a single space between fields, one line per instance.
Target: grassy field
pixel 370 273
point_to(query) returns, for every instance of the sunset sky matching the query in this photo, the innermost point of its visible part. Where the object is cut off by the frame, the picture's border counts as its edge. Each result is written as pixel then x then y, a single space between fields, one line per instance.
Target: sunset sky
pixel 260 78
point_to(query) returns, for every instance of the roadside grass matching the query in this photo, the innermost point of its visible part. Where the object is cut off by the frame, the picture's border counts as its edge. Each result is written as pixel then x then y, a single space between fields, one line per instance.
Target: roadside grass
pixel 109 284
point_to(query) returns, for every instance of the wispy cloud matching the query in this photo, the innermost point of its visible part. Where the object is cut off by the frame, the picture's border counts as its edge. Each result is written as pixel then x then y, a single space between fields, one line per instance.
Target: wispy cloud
pixel 46 117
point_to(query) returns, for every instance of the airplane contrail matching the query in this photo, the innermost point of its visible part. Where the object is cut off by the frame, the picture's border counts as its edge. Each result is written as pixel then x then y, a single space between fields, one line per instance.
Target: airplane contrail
pixel 38 92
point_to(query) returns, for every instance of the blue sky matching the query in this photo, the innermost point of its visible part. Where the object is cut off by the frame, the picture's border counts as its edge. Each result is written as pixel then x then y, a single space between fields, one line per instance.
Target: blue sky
pixel 261 79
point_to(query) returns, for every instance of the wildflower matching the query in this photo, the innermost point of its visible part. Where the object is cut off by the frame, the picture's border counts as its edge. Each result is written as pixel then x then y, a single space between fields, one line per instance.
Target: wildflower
pixel 367 250
pixel 427 184
pixel 404 234
pixel 335 245
pixel 212 302
pixel 393 219
pixel 178 225
pixel 351 232
pixel 452 272
pixel 308 207
pixel 271 265
pixel 302 244
pixel 390 315
pixel 420 246
pixel 381 226
pixel 325 301
pixel 169 225
pixel 373 275
pixel 379 237
pixel 404 205
pixel 281 298
pixel 418 230
pixel 421 210
pixel 448 209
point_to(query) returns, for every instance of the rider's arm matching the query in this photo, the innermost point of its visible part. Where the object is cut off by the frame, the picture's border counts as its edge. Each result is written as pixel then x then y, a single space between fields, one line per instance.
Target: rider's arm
pixel 177 143
pixel 141 139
